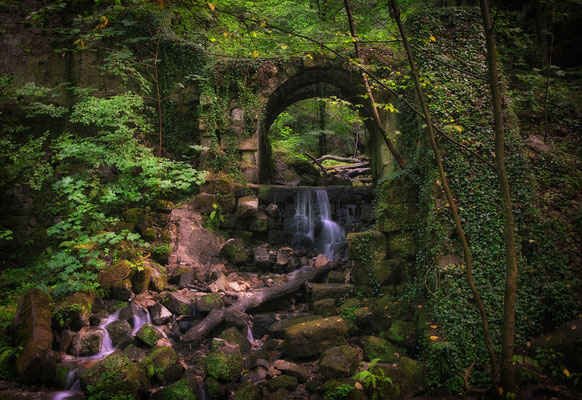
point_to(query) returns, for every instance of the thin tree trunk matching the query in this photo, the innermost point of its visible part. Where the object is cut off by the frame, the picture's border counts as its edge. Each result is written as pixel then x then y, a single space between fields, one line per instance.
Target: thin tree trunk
pixel 158 96
pixel 449 195
pixel 322 147
pixel 548 72
pixel 507 373
pixel 389 143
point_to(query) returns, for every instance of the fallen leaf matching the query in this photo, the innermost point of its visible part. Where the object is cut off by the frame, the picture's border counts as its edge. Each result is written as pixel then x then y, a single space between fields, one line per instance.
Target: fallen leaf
pixel 434 337
pixel 211 6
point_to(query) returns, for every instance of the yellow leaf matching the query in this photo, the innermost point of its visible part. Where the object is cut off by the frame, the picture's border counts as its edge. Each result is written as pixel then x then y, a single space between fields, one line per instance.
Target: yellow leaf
pixel 212 39
pixel 447 204
pixel 434 326
pixel 225 34
pixel 254 34
pixel 309 56
pixel 434 337
pixel 211 6
pixel 284 46
pixel 566 372
pixel 263 24
pixel 500 390
pixel 255 53
pixel 457 127
pixel 433 38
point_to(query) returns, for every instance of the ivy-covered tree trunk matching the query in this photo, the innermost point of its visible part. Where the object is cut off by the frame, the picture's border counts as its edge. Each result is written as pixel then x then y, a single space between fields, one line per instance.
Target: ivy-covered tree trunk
pixel 507 373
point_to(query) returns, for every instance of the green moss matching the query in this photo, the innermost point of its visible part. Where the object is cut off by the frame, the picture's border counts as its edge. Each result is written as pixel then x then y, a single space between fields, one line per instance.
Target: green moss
pixel 148 335
pixel 224 361
pixel 283 381
pixel 184 389
pixel 248 391
pixel 214 389
pixel 163 365
pixel 375 347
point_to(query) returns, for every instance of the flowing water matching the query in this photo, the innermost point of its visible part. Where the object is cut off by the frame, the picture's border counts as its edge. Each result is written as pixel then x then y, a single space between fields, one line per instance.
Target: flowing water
pixel 73 385
pixel 314 227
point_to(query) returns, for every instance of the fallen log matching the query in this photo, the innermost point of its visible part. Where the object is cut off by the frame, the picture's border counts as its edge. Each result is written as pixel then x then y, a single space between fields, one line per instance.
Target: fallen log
pixel 321 167
pixel 340 159
pixel 351 166
pixel 199 332
pixel 357 172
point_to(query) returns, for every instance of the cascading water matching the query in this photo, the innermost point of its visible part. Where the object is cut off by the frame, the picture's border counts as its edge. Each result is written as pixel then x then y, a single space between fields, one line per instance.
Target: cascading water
pixel 73 386
pixel 314 225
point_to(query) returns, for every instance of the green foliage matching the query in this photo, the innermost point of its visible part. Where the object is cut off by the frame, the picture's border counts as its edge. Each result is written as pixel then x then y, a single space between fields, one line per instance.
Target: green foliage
pixel 214 218
pixel 374 380
pixel 339 392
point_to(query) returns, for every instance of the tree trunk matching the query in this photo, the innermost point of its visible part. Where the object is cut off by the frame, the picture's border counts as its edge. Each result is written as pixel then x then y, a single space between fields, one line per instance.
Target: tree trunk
pixel 448 193
pixel 507 335
pixel 254 300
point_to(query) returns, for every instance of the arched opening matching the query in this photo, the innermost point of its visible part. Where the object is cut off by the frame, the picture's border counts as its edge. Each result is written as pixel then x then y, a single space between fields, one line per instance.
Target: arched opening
pixel 319 82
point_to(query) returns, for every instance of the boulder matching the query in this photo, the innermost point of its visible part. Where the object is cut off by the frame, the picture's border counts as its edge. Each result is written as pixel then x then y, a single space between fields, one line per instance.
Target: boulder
pixel 235 251
pixel 140 278
pixel 178 303
pixel 134 216
pixel 148 335
pixel 247 391
pixel 120 333
pixel 262 258
pixel 233 335
pixel 402 333
pixel 214 389
pixel 87 341
pixel 32 327
pixel 114 274
pixel 184 389
pixel 273 211
pixel 248 206
pixel 311 338
pixel 74 311
pixel 259 223
pixel 224 362
pixel 163 365
pixel 121 291
pixel 339 362
pixel 116 375
pixel 160 314
pixel 375 347
pixel 158 278
pixel 204 203
pixel 283 382
pixel 566 340
pixel 336 277
pixel 283 256
pixel 278 328
pixel 209 302
pixel 402 245
pixel 134 353
pixel 324 307
pixel 292 369
pixel 336 291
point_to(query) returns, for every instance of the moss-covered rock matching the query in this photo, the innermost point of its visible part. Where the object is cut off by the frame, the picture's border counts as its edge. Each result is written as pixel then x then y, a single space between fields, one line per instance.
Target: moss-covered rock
pixel 415 369
pixel 7 362
pixel 158 278
pixel 163 365
pixel 87 341
pixel 33 333
pixel 140 278
pixel 311 338
pixel 178 303
pixel 209 302
pixel 115 375
pixel 283 381
pixel 324 307
pixel 375 347
pixel 149 235
pixel 74 311
pixel 233 335
pixel 371 269
pixel 402 333
pixel 114 274
pixel 248 206
pixel 225 361
pixel 214 389
pixel 120 333
pixel 162 206
pixel 259 223
pixel 336 277
pixel 247 391
pixel 148 335
pixel 336 291
pixel 339 362
pixel 184 389
pixel 134 216
pixel 121 290
pixel 402 245
pixel 278 328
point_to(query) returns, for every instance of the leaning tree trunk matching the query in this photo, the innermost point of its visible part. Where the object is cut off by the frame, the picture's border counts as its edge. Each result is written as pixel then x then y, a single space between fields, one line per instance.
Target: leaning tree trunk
pixel 507 374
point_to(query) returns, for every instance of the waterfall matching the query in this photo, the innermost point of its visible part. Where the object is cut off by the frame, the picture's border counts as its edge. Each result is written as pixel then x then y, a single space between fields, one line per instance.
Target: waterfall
pixel 314 227
pixel 72 387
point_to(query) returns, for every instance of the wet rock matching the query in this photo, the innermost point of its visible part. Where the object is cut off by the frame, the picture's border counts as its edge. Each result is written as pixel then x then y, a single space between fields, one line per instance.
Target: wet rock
pixel 158 279
pixel 121 291
pixel 311 338
pixel 375 347
pixel 134 353
pixel 233 335
pixel 87 341
pixel 262 258
pixel 330 290
pixel 210 302
pixel 184 389
pixel 178 303
pixel 214 389
pixel 283 382
pixel 140 279
pixel 114 274
pixel 163 365
pixel 148 335
pixel 186 278
pixel 98 318
pixel 128 312
pixel 273 211
pixel 116 375
pixel 248 206
pixel 278 328
pixel 204 203
pixel 247 391
pixel 292 369
pixel 324 307
pixel 224 362
pixel 339 362
pixel 120 333
pixel 63 340
pixel 160 314
pixel 74 311
pixel 32 327
pixel 235 251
